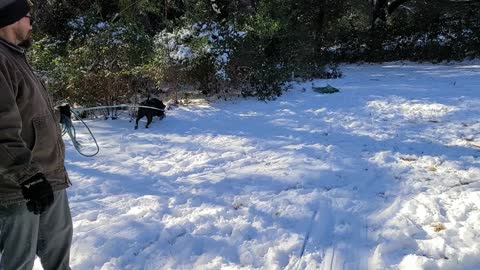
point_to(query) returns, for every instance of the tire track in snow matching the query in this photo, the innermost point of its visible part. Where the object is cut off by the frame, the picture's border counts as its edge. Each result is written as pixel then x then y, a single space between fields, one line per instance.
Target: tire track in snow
pixel 338 250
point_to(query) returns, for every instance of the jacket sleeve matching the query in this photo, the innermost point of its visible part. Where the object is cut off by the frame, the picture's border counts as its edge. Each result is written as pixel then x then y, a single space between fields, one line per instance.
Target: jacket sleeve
pixel 16 162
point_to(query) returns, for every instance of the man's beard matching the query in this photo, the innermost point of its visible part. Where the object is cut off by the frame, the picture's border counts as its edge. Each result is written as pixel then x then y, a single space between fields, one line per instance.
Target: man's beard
pixel 27 43
pixel 26 38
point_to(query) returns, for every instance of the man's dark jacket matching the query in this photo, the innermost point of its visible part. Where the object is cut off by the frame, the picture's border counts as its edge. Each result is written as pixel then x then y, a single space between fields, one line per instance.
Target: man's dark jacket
pixel 30 137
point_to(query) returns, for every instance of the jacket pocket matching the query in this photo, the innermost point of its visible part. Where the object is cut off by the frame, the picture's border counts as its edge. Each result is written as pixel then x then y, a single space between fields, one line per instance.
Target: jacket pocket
pixel 47 151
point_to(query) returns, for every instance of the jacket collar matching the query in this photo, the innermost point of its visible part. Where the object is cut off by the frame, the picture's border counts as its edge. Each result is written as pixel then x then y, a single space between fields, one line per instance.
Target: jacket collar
pixel 11 46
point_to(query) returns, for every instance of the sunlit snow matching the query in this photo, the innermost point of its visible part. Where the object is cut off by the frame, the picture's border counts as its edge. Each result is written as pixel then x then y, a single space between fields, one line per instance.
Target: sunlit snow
pixel 382 175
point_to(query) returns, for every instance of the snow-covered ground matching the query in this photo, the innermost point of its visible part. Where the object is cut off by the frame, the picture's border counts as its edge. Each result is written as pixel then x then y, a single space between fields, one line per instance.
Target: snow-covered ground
pixel 384 174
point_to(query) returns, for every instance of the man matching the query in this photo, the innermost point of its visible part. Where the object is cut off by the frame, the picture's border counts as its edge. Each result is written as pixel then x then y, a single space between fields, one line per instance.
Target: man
pixel 34 212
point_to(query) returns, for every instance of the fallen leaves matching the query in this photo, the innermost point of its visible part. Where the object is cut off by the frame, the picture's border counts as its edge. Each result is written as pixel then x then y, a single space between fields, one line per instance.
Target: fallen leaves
pixel 438 227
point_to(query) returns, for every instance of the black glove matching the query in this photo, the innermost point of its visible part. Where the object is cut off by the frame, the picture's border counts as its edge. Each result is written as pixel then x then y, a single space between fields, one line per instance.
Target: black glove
pixel 38 193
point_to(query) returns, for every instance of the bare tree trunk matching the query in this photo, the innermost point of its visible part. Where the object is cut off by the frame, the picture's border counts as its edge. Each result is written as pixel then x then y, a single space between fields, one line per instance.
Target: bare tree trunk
pixel 379 12
pixel 320 21
pixel 381 9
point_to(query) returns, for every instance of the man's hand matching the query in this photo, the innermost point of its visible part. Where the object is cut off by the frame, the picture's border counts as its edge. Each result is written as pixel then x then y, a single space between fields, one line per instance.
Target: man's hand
pixel 38 193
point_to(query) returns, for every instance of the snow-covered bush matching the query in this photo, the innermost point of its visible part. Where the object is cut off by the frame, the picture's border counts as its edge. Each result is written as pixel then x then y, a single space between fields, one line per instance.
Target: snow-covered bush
pixel 198 53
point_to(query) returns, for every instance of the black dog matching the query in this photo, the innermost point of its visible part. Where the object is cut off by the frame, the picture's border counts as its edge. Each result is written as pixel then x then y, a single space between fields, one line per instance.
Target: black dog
pixel 150 112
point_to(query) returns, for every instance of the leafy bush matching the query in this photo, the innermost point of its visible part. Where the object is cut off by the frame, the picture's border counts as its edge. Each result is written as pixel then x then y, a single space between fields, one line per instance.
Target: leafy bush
pixel 197 54
pixel 106 52
pixel 97 64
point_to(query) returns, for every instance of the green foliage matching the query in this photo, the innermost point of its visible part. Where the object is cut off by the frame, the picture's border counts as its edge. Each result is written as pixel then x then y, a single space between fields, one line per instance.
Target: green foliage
pixel 255 73
pixel 197 54
pixel 96 63
pixel 103 52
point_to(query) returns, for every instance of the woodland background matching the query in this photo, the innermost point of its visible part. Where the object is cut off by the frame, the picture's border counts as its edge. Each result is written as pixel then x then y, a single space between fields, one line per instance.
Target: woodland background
pixel 99 52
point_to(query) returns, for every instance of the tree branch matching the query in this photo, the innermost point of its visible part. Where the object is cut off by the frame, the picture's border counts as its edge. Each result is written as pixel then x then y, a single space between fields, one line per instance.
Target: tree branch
pixel 393 5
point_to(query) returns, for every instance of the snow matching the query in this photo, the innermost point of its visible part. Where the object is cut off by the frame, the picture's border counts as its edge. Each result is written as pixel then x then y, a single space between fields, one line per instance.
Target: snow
pixel 183 52
pixel 101 25
pixel 211 41
pixel 77 23
pixel 382 175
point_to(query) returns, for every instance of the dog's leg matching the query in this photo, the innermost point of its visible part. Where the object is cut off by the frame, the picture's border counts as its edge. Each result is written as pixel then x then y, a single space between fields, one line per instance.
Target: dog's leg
pixel 150 118
pixel 140 115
